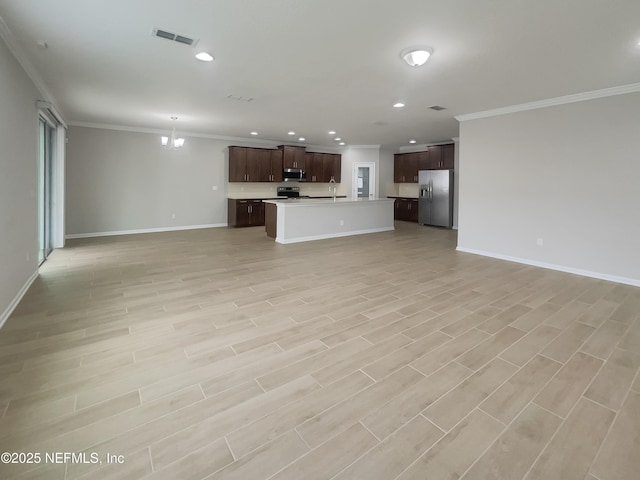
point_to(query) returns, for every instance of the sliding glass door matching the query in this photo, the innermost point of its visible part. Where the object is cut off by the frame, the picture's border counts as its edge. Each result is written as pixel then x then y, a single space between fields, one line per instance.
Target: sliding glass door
pixel 45 163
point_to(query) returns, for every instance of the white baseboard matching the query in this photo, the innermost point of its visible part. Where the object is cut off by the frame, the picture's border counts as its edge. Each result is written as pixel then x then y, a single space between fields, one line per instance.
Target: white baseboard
pixel 333 235
pixel 144 230
pixel 561 268
pixel 16 300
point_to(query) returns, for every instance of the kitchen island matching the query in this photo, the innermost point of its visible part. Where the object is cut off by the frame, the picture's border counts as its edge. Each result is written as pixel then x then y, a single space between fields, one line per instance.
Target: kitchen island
pixel 303 220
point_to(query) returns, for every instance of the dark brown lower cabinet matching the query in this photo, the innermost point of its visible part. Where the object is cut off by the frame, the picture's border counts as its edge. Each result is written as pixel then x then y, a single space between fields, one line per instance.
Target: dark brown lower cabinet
pixel 245 213
pixel 406 209
pixel 271 220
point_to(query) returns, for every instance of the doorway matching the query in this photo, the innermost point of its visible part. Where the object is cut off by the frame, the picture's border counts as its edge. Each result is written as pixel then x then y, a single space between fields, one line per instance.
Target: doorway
pixel 364 180
pixel 46 144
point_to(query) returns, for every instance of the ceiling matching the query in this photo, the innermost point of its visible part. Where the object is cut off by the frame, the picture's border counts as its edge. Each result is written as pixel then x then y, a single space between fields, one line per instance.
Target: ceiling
pixel 317 65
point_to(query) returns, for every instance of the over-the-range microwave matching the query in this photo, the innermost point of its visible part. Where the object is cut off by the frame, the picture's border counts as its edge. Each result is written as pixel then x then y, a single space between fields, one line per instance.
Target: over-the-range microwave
pixel 294 175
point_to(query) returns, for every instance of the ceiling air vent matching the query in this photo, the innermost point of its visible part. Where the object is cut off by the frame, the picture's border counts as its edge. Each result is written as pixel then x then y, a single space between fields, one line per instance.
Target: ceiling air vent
pixel 174 37
pixel 437 108
pixel 238 98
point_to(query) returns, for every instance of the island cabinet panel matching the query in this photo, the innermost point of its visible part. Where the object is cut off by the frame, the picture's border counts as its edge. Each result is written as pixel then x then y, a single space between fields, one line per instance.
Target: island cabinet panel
pixel 255 164
pixel 406 209
pixel 292 156
pixel 245 213
pixel 271 219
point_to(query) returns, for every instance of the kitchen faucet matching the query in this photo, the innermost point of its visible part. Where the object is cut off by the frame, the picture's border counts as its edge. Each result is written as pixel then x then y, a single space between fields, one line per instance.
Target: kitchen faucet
pixel 333 188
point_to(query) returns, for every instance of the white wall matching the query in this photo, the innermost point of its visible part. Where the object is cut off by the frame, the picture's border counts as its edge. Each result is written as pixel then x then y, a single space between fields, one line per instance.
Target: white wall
pixel 456 180
pixel 357 154
pixel 385 174
pixel 567 174
pixel 18 180
pixel 122 181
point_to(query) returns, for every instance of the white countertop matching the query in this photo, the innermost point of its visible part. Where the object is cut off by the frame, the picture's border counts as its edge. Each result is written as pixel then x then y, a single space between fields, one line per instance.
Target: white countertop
pixel 254 197
pixel 305 202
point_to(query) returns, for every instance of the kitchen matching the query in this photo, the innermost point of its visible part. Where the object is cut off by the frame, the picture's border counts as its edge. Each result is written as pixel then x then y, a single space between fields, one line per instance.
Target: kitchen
pixel 294 165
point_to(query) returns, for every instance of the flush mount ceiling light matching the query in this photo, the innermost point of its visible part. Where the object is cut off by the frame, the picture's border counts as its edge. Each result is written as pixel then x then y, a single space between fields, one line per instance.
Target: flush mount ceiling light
pixel 302 139
pixel 415 57
pixel 337 139
pixel 254 133
pixel 204 57
pixel 412 141
pixel 332 132
pixel 341 143
pixel 291 132
pixel 172 142
pixel 398 105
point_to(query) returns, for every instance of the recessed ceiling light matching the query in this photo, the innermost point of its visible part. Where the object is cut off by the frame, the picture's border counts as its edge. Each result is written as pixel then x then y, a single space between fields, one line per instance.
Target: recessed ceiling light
pixel 337 139
pixel 204 57
pixel 332 132
pixel 292 132
pixel 341 143
pixel 398 105
pixel 416 57
pixel 412 141
pixel 302 139
pixel 254 133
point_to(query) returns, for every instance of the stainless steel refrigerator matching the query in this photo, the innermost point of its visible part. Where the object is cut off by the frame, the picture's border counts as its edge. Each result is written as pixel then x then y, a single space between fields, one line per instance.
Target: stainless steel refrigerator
pixel 435 205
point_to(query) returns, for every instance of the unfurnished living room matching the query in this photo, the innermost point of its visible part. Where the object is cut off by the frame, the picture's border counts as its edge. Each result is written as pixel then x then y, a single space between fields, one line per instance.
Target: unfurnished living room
pixel 319 240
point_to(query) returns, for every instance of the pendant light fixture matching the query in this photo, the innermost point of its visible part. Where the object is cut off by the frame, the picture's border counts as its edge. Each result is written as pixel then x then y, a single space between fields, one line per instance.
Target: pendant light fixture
pixel 172 142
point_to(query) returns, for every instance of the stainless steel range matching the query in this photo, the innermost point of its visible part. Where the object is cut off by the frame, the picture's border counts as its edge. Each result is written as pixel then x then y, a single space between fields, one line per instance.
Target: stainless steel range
pixel 289 192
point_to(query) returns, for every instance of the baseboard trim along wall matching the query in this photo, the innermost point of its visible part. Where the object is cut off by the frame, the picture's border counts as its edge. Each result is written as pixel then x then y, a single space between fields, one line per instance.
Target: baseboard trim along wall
pixel 144 230
pixel 16 300
pixel 561 268
pixel 333 235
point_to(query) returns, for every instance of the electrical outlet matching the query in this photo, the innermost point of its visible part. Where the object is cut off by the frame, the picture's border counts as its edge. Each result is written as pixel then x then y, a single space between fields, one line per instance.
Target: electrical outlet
pixel 173 215
pixel 341 222
pixel 540 242
pixel 214 188
pixel 28 257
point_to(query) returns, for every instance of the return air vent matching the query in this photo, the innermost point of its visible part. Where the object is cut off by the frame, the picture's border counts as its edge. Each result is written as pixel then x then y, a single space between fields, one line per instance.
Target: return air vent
pixel 238 98
pixel 174 37
pixel 437 108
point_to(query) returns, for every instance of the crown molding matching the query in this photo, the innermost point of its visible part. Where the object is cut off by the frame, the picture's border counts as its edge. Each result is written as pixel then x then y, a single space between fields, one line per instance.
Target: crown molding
pixel 421 147
pixel 29 69
pixel 163 131
pixel 551 102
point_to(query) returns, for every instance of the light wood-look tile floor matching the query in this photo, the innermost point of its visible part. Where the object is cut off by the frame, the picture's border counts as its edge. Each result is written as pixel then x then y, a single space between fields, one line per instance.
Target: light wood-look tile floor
pixel 219 354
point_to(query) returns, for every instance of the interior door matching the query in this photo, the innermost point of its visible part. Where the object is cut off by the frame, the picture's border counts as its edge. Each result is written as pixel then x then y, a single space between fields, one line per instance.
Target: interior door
pixel 45 162
pixel 364 185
